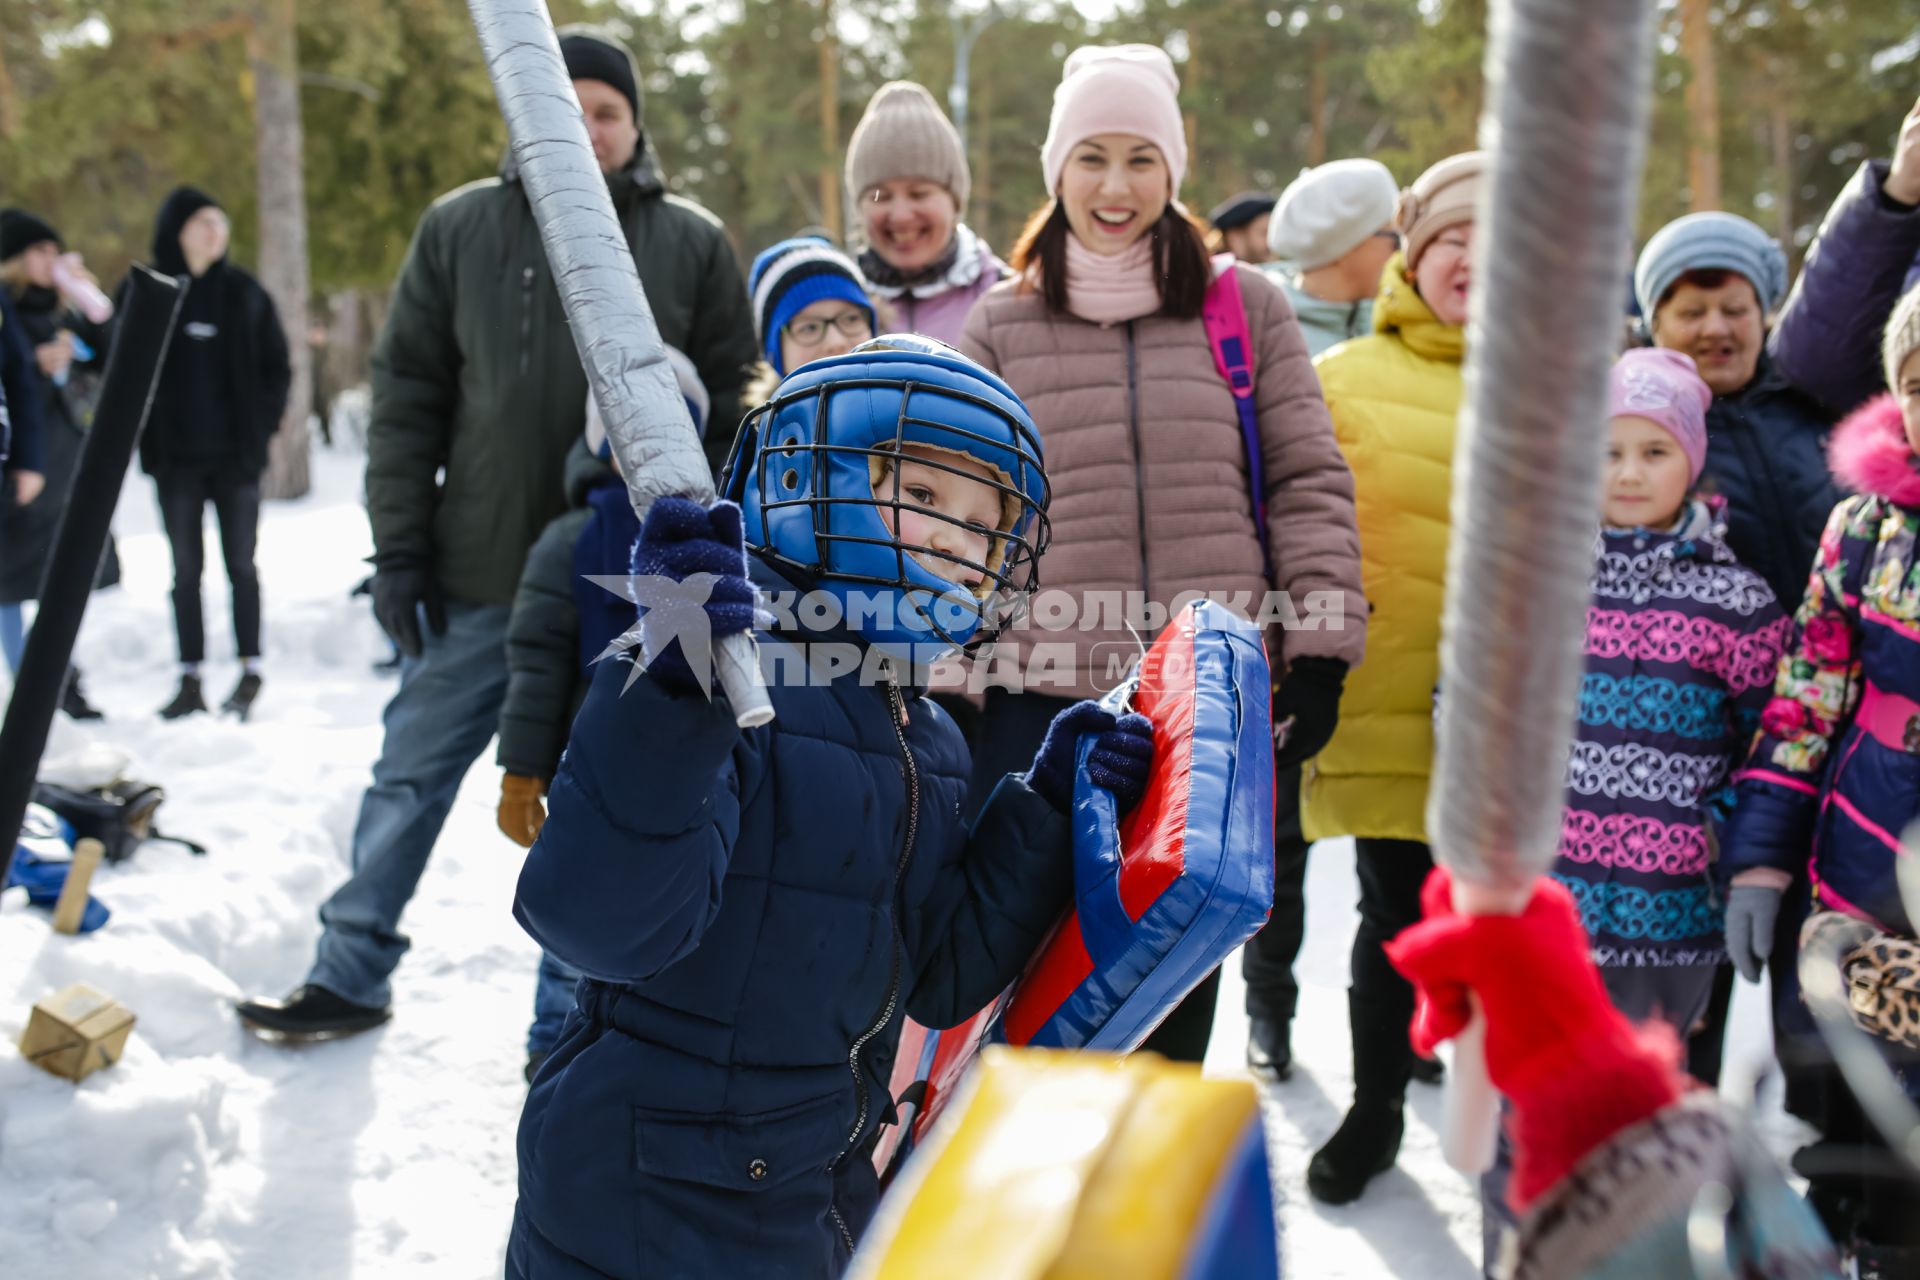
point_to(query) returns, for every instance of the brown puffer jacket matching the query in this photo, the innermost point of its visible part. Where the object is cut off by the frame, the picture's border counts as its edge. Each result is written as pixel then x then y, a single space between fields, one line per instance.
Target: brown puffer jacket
pixel 1149 474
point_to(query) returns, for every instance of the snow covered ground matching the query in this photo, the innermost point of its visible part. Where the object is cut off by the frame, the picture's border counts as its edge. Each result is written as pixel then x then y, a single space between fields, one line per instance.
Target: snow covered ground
pixel 209 1155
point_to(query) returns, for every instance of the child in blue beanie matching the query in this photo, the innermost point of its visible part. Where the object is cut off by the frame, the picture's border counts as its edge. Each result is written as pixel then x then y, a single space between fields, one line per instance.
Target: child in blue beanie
pixel 809 302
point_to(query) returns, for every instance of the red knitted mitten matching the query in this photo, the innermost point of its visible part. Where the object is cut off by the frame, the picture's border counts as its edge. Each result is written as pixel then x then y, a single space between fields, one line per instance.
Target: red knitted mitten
pixel 1574 1068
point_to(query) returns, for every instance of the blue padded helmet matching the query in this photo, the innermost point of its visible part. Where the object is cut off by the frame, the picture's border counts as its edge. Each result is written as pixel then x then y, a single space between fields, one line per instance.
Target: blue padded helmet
pixel 804 469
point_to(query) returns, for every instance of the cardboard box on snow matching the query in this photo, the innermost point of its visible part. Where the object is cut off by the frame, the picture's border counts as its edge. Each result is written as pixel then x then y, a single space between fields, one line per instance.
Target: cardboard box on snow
pixel 76 1031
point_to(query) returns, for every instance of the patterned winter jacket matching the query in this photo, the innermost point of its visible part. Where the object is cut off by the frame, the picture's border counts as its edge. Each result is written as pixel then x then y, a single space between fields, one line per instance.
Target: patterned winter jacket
pixel 1832 782
pixel 1682 644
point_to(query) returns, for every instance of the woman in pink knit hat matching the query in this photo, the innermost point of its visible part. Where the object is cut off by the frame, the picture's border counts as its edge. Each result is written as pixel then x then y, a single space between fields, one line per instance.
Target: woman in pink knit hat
pixel 1154 492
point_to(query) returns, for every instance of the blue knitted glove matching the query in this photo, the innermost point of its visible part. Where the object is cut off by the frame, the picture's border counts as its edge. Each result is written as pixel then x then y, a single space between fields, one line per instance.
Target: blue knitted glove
pixel 1120 761
pixel 690 567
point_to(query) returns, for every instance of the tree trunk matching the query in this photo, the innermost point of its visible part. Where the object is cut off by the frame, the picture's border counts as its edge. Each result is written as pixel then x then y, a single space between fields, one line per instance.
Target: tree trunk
pixel 8 109
pixel 1781 129
pixel 1191 79
pixel 1317 100
pixel 830 125
pixel 1703 104
pixel 980 135
pixel 273 57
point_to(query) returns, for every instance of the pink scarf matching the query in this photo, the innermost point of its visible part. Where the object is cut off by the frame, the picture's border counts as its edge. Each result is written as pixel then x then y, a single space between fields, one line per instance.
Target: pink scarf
pixel 1110 290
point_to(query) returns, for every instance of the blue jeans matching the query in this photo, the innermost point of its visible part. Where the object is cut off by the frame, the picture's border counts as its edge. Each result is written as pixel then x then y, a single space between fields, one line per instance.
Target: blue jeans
pixel 13 635
pixel 552 1002
pixel 439 722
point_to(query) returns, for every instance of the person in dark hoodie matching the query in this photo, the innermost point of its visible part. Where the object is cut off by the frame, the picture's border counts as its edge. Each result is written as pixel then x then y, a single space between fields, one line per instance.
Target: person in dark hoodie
pixel 64 343
pixel 562 622
pixel 478 394
pixel 221 395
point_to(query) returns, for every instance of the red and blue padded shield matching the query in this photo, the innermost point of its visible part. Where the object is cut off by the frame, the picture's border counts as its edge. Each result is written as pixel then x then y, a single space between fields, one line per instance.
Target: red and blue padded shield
pixel 1164 895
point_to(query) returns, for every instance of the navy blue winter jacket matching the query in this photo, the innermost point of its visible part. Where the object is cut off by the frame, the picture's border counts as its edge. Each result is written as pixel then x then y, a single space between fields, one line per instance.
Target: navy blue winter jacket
pixel 1827 338
pixel 754 911
pixel 1766 455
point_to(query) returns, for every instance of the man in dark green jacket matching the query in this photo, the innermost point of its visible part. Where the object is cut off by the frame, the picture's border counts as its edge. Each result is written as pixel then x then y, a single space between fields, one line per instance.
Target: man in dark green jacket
pixel 477 395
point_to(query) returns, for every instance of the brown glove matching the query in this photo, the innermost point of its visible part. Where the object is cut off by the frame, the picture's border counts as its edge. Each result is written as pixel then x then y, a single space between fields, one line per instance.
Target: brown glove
pixel 521 814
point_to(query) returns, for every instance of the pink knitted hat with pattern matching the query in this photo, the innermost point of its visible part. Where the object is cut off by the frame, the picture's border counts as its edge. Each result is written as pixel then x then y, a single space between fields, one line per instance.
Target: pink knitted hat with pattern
pixel 1665 388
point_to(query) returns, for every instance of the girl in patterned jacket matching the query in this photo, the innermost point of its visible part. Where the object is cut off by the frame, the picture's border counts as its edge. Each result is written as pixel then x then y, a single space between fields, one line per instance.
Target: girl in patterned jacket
pixel 1834 782
pixel 1682 643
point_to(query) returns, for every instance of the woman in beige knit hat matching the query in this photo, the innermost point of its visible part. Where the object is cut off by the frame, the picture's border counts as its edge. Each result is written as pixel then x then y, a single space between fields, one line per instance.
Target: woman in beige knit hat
pixel 907 175
pixel 1393 396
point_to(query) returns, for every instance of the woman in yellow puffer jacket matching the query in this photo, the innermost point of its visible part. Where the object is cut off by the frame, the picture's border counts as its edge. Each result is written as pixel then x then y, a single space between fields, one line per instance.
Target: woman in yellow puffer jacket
pixel 1393 396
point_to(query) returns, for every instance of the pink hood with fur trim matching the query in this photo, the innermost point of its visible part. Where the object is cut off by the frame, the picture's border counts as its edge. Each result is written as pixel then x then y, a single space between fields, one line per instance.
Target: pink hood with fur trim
pixel 1869 453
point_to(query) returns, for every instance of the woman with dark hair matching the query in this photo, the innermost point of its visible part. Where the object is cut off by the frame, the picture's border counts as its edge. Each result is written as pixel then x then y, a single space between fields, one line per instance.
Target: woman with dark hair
pixel 1154 496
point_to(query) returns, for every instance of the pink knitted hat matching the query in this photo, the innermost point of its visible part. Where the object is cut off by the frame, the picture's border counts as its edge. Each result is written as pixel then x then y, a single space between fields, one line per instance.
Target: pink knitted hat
pixel 1120 88
pixel 1665 388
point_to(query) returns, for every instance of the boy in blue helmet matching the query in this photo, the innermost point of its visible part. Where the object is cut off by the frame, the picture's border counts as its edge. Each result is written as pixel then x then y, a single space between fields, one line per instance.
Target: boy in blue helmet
pixel 756 910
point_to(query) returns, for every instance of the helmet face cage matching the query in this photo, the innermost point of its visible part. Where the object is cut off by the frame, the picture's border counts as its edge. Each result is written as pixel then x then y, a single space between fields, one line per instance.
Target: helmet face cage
pixel 786 463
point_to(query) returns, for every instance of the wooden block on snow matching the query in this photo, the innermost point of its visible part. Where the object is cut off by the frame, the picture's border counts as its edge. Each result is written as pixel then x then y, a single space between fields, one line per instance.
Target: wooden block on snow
pixel 73 894
pixel 76 1031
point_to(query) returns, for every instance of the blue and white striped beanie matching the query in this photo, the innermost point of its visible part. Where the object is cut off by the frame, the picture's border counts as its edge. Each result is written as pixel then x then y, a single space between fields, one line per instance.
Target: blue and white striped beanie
pixel 692 390
pixel 1710 242
pixel 792 276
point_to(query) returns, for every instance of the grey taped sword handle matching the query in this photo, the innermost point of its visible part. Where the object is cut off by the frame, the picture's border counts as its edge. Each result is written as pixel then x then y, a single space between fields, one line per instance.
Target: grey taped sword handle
pixel 1566 78
pixel 613 326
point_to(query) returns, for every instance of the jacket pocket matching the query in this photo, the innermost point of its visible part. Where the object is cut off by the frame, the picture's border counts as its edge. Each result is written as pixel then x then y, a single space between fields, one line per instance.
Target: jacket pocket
pixel 742 1152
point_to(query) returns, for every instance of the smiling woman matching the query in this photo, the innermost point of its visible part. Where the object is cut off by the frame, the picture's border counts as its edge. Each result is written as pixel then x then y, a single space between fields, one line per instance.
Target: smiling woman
pixel 907 175
pixel 1154 492
pixel 1707 283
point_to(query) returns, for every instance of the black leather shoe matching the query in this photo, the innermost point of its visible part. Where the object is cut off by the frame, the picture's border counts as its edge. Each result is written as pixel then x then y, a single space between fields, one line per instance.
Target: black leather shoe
pixel 73 701
pixel 312 1013
pixel 1364 1146
pixel 1268 1054
pixel 186 700
pixel 240 701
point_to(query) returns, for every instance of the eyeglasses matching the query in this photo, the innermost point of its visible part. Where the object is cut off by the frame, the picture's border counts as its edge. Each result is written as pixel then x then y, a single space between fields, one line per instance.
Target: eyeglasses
pixel 811 333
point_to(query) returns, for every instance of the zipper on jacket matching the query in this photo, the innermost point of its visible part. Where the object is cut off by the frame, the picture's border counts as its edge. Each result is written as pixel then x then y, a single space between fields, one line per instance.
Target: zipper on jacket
pixel 1139 474
pixel 898 706
pixel 526 316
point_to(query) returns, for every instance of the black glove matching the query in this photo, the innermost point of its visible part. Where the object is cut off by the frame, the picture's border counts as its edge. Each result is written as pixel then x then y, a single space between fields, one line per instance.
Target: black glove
pixel 1121 759
pixel 399 593
pixel 1306 707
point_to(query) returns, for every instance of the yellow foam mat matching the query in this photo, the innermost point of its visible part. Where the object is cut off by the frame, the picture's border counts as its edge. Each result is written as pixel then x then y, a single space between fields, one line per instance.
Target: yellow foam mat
pixel 1062 1166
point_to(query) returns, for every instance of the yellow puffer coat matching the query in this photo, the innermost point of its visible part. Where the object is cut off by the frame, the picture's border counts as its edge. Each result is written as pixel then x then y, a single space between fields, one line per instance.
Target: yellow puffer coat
pixel 1393 397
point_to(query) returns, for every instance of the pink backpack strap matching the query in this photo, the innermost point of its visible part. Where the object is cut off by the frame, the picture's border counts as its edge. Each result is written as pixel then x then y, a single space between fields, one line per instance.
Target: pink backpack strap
pixel 1225 317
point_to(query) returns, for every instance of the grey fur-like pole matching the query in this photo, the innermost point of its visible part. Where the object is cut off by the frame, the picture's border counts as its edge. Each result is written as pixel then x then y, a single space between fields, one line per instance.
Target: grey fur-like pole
pixel 613 327
pixel 1568 82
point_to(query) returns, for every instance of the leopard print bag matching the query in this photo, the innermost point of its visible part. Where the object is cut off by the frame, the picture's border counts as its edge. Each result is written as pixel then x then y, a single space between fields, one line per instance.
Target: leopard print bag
pixel 1882 974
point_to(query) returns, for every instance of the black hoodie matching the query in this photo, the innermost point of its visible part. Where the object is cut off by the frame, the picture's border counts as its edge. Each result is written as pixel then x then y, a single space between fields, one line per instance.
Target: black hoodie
pixel 224 386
